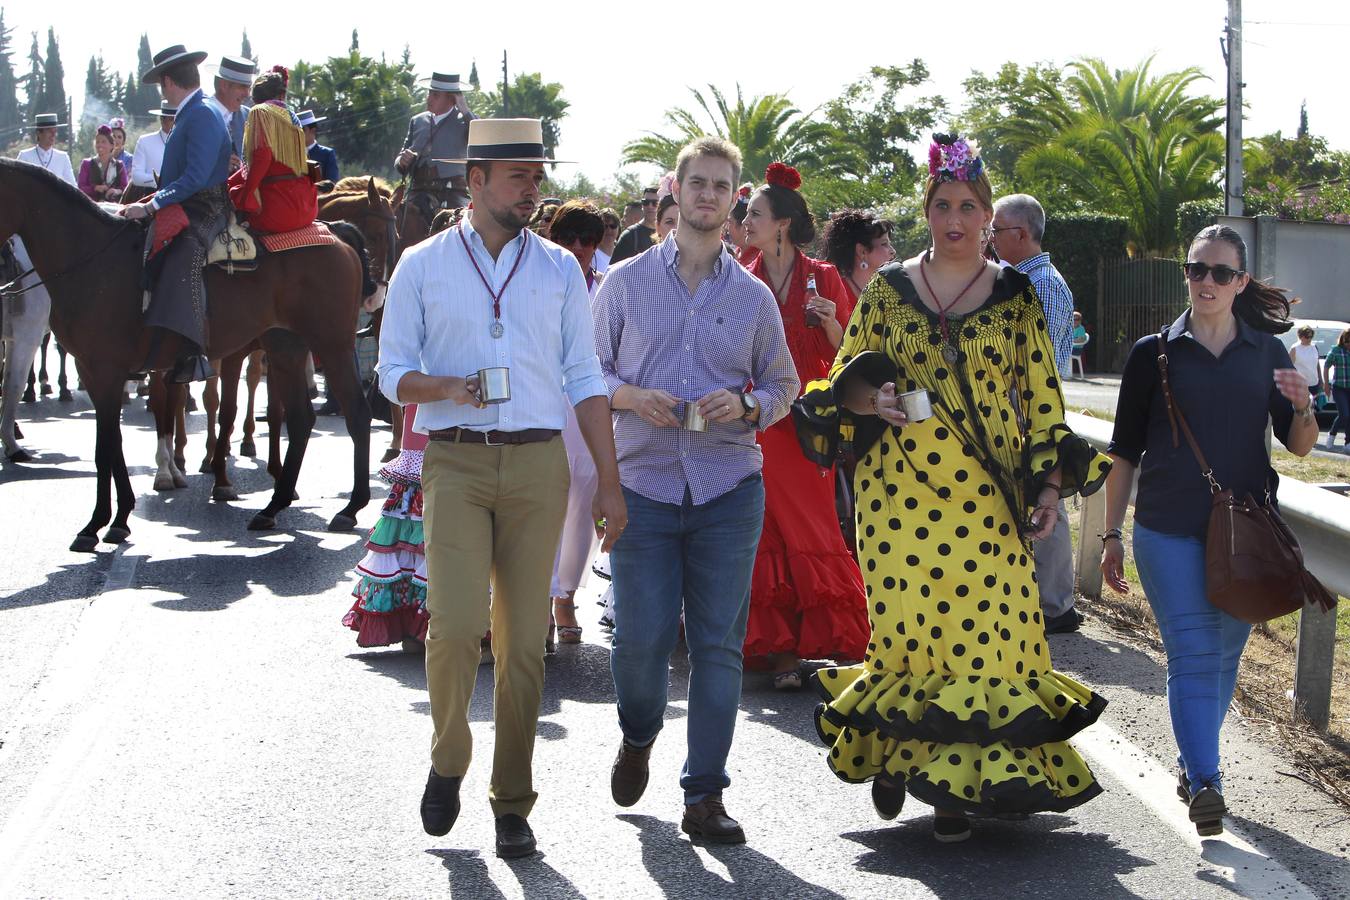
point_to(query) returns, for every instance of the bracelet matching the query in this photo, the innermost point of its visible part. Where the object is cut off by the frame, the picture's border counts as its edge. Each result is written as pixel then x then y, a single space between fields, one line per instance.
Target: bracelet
pixel 1111 533
pixel 873 400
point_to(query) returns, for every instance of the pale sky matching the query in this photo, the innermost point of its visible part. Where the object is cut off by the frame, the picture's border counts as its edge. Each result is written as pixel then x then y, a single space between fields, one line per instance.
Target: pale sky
pixel 623 64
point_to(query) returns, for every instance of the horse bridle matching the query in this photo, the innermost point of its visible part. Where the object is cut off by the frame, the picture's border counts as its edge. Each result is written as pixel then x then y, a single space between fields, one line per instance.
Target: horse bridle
pixel 8 290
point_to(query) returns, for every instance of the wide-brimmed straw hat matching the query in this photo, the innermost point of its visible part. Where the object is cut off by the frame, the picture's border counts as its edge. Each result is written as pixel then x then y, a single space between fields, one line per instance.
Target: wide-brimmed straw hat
pixel 170 56
pixel 505 140
pixel 439 81
pixel 47 120
pixel 166 110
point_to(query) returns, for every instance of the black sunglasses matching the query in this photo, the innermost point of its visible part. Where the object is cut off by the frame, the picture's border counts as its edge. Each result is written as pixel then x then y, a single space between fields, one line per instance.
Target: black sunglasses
pixel 1196 271
pixel 651 202
pixel 568 238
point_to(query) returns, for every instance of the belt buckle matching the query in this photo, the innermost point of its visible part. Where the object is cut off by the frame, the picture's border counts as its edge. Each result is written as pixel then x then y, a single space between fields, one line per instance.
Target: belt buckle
pixel 487 440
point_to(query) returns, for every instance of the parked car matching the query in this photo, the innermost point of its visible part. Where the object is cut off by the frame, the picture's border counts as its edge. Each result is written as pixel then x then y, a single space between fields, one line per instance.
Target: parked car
pixel 1325 334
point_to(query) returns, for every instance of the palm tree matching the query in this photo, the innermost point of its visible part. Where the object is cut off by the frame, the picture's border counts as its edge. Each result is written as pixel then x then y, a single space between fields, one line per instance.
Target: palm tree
pixel 766 129
pixel 1129 144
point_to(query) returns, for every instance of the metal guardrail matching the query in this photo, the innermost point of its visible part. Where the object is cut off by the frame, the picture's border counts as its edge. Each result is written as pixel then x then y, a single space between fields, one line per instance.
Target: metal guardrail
pixel 1321 520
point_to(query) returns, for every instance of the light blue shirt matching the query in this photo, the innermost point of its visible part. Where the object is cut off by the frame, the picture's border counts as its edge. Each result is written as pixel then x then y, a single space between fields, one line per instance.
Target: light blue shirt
pixel 437 321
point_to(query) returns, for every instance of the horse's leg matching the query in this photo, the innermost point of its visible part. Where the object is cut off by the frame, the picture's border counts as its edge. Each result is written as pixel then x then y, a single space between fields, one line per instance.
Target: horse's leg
pixel 162 396
pixel 286 378
pixel 19 353
pixel 64 393
pixel 276 415
pixel 228 402
pixel 344 384
pixel 179 434
pixel 211 400
pixel 105 389
pixel 252 376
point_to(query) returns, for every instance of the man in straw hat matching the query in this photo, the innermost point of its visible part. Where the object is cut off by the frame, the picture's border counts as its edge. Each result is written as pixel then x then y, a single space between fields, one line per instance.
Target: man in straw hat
pixel 490 296
pixel 232 86
pixel 191 205
pixel 44 152
pixel 434 136
pixel 148 159
pixel 326 157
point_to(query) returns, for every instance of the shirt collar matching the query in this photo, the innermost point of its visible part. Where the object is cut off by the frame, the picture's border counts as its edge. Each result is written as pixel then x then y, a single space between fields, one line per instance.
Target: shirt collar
pixel 1182 328
pixel 670 255
pixel 476 239
pixel 312 145
pixel 1033 262
pixel 436 120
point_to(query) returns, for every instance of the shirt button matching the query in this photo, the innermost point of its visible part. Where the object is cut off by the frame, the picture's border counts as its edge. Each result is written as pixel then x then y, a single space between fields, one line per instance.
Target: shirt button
pixel 684 381
pixel 689 346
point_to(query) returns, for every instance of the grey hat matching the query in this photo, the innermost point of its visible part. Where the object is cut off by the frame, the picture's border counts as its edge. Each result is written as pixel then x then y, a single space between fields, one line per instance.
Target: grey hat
pixel 451 83
pixel 47 120
pixel 170 56
pixel 235 69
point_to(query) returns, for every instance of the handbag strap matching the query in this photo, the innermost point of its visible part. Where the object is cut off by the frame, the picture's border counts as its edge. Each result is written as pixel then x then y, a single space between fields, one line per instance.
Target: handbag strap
pixel 1175 417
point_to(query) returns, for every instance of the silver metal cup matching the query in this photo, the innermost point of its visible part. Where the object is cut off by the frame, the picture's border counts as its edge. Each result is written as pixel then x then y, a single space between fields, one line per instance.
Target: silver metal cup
pixel 916 405
pixel 693 420
pixel 494 385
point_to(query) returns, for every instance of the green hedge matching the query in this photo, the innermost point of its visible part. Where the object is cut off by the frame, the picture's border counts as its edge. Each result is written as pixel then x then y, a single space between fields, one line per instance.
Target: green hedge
pixel 1077 242
pixel 1194 215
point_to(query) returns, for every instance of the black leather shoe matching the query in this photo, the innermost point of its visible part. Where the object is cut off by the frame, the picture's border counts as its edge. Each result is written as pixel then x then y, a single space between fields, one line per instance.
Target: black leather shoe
pixel 888 795
pixel 189 369
pixel 1064 623
pixel 514 837
pixel 440 804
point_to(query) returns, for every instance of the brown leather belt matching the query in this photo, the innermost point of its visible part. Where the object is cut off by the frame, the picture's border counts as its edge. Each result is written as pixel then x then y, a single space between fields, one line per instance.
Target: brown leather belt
pixel 493 438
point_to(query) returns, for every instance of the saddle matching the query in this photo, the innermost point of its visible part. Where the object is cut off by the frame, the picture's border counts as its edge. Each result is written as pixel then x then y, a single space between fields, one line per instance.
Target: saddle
pixel 234 249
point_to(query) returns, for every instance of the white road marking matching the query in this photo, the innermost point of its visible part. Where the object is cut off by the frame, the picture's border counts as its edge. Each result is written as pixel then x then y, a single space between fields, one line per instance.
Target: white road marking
pixel 1240 862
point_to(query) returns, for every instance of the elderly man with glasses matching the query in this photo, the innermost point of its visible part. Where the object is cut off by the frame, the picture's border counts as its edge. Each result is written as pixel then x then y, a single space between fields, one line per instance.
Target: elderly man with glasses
pixel 1018 228
pixel 641 236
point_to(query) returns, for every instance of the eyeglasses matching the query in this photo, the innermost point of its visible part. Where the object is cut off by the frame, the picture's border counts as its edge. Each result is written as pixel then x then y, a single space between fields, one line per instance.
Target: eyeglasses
pixel 1196 271
pixel 994 231
pixel 651 202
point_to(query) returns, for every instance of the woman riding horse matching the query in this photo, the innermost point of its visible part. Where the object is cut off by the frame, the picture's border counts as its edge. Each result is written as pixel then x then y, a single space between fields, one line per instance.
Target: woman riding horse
pixel 273 188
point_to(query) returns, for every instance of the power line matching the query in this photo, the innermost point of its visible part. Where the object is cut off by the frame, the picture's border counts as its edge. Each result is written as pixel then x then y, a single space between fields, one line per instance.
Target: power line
pixel 1300 24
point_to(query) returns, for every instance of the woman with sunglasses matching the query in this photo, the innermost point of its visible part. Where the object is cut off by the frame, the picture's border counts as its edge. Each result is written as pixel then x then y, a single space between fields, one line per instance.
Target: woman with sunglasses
pixel 576 226
pixel 1228 375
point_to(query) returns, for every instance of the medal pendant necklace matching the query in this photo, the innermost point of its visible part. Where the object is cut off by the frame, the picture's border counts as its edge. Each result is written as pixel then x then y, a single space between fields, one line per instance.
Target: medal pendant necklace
pixel 949 351
pixel 497 329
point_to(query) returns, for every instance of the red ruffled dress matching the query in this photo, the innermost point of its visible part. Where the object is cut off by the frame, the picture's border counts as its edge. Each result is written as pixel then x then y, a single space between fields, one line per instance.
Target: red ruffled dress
pixel 806 595
pixel 270 193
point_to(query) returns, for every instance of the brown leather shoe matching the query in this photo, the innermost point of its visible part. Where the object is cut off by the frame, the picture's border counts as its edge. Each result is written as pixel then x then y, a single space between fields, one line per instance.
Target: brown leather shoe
pixel 708 819
pixel 628 778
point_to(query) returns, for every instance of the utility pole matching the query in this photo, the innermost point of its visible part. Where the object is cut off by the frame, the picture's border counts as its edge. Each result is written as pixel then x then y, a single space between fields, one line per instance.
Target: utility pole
pixel 1232 55
pixel 506 101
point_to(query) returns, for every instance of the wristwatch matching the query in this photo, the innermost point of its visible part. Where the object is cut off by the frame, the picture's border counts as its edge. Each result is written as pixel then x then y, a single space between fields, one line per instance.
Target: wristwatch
pixel 750 403
pixel 1306 412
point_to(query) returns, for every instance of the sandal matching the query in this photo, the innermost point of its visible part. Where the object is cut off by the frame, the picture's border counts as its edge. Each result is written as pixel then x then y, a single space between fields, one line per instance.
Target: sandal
pixel 567 634
pixel 788 681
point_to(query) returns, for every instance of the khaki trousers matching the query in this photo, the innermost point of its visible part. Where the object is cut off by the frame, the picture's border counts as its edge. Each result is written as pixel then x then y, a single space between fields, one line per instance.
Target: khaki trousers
pixel 492 516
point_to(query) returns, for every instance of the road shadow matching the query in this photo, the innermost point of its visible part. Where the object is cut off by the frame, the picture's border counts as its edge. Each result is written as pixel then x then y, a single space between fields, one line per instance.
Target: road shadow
pixel 671 861
pixel 1071 865
pixel 1103 662
pixel 1314 867
pixel 76 581
pixel 468 873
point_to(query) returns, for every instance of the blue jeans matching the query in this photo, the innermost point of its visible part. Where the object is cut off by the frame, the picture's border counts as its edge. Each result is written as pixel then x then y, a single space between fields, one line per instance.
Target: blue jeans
pixel 699 558
pixel 1203 646
pixel 1341 397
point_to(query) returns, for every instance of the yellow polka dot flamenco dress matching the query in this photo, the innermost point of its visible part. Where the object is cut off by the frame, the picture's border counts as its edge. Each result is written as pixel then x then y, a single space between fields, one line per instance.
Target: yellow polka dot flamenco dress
pixel 956 696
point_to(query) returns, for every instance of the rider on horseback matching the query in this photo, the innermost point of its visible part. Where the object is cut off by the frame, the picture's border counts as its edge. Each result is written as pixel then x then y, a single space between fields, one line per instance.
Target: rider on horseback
pixel 442 132
pixel 190 209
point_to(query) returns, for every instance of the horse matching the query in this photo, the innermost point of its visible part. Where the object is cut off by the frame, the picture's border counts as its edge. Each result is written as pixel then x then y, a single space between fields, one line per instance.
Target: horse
pixel 25 322
pixel 91 263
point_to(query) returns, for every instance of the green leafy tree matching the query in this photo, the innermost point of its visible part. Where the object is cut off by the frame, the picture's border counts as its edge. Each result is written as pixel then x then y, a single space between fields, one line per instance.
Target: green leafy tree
pixel 11 118
pixel 869 125
pixel 531 98
pixel 97 81
pixel 1010 112
pixel 766 129
pixel 54 77
pixel 1127 143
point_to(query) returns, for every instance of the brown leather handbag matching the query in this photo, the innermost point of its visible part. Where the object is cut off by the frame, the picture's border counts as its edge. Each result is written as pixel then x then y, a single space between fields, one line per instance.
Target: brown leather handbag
pixel 1253 564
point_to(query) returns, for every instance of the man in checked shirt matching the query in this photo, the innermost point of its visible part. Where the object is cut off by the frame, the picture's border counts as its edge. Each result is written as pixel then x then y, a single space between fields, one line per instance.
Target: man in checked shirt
pixel 684 324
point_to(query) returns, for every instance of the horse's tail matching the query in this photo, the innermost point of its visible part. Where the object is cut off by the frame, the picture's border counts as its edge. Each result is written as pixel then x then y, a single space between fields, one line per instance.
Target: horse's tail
pixel 350 235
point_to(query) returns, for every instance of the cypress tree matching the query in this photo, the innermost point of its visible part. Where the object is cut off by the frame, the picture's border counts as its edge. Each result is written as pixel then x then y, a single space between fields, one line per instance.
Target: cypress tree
pixel 54 77
pixel 11 122
pixel 246 49
pixel 35 97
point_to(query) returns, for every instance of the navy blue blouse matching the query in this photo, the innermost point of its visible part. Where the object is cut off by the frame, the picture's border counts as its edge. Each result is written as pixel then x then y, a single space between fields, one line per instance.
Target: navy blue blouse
pixel 1226 401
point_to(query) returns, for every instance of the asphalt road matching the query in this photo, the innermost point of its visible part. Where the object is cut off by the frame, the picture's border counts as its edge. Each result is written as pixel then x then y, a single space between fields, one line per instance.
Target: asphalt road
pixel 185 716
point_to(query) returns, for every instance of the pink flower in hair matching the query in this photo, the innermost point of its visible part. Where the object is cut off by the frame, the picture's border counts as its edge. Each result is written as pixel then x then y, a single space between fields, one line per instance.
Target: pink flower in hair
pixel 666 186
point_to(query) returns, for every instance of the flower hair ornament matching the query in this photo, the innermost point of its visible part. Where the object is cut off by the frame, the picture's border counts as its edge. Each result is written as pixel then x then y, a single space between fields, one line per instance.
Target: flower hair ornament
pixel 953 158
pixel 284 73
pixel 782 175
pixel 666 186
pixel 117 122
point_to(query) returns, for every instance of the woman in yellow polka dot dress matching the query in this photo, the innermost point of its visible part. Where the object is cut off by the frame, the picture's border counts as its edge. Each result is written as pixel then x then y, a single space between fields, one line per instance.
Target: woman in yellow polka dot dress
pixel 956 702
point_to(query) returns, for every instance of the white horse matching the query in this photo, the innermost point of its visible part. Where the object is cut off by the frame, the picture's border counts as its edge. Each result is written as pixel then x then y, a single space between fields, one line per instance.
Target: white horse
pixel 25 322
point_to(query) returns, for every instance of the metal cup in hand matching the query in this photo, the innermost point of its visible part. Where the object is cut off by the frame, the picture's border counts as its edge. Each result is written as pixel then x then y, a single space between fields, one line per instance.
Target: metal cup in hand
pixel 693 419
pixel 494 385
pixel 916 405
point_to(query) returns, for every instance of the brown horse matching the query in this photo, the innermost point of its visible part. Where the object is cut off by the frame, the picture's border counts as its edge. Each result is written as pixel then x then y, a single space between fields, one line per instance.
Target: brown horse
pixel 91 264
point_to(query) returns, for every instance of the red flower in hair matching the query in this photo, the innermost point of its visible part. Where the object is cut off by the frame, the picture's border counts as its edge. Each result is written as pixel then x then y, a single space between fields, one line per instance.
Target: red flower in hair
pixel 783 175
pixel 284 72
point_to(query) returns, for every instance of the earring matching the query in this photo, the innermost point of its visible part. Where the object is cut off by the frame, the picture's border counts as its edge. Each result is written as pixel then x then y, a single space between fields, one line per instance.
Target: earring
pixel 778 251
pixel 863 265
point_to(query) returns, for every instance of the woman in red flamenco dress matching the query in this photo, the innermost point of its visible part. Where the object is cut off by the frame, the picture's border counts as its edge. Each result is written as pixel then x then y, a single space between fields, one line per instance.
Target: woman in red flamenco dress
pixel 273 189
pixel 807 599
